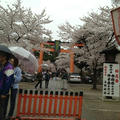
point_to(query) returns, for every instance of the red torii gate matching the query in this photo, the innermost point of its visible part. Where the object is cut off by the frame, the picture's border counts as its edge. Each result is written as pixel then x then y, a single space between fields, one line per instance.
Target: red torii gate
pixel 40 61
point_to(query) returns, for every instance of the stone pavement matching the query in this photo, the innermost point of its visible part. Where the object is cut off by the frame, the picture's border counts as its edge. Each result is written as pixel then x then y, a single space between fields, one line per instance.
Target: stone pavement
pixel 93 106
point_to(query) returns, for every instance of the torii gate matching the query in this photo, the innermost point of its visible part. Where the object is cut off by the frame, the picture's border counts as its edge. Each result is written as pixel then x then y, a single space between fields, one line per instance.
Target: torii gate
pixel 40 61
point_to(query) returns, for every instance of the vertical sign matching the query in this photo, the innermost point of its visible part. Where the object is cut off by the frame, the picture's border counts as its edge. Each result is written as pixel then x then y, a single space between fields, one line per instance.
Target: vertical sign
pixel 57 46
pixel 111 80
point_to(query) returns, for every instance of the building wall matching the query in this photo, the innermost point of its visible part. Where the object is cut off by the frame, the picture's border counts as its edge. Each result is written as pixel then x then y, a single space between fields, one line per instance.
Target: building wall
pixel 110 57
pixel 117 58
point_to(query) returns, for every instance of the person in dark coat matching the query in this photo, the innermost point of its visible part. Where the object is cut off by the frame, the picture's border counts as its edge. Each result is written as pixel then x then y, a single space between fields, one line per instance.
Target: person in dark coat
pixel 6 81
pixel 39 78
pixel 64 79
pixel 47 78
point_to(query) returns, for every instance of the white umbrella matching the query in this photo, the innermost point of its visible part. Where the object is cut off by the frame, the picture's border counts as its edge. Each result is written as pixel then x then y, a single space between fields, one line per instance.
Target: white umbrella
pixel 44 65
pixel 27 60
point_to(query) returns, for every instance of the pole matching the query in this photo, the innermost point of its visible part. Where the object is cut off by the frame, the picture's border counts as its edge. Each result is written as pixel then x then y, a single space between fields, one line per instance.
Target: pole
pixel 40 61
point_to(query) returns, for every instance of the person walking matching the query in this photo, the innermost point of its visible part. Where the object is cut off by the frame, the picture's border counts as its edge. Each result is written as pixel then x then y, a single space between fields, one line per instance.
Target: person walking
pixel 47 78
pixel 39 78
pixel 43 74
pixel 14 89
pixel 64 79
pixel 6 79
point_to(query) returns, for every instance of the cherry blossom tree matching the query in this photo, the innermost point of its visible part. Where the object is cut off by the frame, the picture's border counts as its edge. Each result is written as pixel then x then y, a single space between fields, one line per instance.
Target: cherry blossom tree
pixel 63 61
pixel 66 32
pixel 21 26
pixel 94 34
pixel 116 2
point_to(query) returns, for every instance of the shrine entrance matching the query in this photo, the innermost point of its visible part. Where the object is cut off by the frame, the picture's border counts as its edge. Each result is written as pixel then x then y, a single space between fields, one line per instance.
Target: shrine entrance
pixel 56 44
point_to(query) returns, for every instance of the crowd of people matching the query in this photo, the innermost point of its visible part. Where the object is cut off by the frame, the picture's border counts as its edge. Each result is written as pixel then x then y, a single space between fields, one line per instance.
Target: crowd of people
pixel 45 75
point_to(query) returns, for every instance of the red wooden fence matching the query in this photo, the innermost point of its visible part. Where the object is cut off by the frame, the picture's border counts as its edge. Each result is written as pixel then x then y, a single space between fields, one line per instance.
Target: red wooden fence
pixel 42 105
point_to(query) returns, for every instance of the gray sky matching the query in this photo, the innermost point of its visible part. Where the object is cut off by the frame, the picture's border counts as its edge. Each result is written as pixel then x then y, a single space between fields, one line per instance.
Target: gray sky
pixel 61 11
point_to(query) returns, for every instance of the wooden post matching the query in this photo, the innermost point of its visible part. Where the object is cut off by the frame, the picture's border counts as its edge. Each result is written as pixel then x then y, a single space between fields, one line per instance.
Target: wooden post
pixel 71 62
pixel 40 61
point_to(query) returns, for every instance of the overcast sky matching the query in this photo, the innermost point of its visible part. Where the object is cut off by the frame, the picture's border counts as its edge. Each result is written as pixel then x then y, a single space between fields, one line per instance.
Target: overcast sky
pixel 61 11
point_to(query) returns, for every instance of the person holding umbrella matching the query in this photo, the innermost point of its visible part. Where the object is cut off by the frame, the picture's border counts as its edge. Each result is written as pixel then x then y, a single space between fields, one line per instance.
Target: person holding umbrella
pixel 18 76
pixel 6 79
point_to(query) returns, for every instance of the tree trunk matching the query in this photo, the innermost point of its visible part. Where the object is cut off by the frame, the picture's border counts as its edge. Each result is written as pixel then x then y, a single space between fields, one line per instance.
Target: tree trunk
pixel 81 73
pixel 94 79
pixel 94 85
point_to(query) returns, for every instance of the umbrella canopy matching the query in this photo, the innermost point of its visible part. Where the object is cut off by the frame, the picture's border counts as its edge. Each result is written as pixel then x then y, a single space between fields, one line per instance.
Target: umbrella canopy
pixel 5 49
pixel 44 65
pixel 26 59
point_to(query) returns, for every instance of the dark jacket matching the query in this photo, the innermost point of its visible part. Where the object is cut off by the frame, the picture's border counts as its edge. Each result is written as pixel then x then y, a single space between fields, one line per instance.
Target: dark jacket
pixel 47 76
pixel 39 76
pixel 6 78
